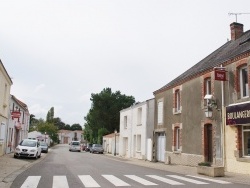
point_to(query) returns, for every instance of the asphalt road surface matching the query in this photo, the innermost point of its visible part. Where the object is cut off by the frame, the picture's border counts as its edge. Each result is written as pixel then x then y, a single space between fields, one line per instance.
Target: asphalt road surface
pixel 64 169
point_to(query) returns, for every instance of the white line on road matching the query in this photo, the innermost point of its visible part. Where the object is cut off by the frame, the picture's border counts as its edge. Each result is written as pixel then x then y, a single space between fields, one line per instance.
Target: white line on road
pixel 60 182
pixel 140 180
pixel 187 179
pixel 88 181
pixel 31 182
pixel 115 181
pixel 212 180
pixel 165 180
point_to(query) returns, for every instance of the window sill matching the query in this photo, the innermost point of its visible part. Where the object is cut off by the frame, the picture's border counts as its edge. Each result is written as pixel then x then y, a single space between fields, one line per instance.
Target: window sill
pixel 177 112
pixel 177 152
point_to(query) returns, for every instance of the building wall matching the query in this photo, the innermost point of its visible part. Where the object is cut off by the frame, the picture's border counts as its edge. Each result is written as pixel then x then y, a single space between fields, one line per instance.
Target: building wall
pixel 5 85
pixel 135 136
pixel 192 121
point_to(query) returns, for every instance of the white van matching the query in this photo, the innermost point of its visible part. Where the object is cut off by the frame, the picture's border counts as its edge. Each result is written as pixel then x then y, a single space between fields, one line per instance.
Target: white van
pixel 75 146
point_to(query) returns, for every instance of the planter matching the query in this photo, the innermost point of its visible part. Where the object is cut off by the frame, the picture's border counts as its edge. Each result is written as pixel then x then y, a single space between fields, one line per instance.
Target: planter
pixel 213 171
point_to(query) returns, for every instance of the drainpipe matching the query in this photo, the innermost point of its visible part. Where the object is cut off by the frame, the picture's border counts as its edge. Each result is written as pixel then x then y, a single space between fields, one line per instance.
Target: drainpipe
pixel 223 123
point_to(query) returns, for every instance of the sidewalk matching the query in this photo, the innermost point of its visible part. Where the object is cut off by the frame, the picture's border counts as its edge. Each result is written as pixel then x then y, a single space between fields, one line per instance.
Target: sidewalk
pixel 185 170
pixel 10 168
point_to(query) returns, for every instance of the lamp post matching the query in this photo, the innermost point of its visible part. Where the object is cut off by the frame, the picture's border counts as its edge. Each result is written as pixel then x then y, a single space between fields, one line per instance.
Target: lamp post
pixel 45 136
pixel 115 142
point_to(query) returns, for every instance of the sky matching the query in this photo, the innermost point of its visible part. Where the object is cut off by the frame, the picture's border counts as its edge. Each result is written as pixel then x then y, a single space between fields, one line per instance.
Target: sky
pixel 59 52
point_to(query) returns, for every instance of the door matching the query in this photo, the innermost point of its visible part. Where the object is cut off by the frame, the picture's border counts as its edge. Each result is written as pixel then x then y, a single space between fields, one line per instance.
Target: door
pixel 209 143
pixel 161 144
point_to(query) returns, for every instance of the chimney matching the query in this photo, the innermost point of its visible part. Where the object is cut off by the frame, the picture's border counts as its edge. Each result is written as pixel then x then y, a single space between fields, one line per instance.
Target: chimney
pixel 236 30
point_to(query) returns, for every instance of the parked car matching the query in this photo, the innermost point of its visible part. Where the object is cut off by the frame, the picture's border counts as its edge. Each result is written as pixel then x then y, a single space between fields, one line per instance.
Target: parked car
pixel 96 148
pixel 44 147
pixel 87 148
pixel 28 148
pixel 75 146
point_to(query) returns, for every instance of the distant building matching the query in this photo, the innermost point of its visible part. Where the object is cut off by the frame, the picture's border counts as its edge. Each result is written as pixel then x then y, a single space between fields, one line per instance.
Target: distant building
pixel 111 143
pixel 66 136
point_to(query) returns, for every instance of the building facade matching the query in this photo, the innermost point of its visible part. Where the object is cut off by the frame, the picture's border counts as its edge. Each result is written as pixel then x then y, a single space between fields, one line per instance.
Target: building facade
pixel 136 130
pixel 190 111
pixel 66 136
pixel 18 123
pixel 5 85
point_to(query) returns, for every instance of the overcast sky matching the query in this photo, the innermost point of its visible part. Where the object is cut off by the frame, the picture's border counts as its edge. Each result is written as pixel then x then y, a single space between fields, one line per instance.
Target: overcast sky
pixel 58 52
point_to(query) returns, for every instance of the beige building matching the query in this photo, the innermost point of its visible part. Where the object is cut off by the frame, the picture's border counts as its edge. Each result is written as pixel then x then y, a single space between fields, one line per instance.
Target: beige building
pixel 5 85
pixel 66 136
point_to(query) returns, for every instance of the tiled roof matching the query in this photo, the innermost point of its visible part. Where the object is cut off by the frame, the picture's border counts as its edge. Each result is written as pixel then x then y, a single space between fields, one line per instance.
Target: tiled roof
pixel 227 52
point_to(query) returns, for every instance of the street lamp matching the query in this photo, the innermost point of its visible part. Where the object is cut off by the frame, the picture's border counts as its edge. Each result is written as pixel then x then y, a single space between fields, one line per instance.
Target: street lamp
pixel 115 142
pixel 208 112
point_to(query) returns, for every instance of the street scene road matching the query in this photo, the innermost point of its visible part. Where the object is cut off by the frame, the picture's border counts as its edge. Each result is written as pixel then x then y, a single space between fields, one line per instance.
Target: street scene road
pixel 64 169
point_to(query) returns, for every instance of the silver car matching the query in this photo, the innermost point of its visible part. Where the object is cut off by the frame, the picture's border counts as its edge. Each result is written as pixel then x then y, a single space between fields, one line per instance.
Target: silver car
pixel 96 148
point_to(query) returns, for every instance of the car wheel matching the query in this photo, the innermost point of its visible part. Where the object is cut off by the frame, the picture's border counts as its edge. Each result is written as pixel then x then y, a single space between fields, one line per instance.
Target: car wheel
pixel 39 155
pixel 15 156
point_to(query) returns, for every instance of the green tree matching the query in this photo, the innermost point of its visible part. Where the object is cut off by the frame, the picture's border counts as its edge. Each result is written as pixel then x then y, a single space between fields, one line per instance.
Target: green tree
pixel 76 126
pixel 105 112
pixel 50 115
pixel 50 129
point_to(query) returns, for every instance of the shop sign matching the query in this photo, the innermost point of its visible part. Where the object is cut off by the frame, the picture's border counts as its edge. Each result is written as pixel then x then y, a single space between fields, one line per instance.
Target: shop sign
pixel 220 74
pixel 238 114
pixel 16 114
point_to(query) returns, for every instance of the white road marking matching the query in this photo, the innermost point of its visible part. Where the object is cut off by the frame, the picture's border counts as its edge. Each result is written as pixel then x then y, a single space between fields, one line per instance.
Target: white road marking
pixel 140 180
pixel 212 180
pixel 31 182
pixel 115 181
pixel 88 181
pixel 165 180
pixel 187 179
pixel 60 182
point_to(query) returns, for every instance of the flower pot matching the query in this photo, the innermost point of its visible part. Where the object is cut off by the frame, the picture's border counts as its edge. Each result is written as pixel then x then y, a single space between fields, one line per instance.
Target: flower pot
pixel 213 171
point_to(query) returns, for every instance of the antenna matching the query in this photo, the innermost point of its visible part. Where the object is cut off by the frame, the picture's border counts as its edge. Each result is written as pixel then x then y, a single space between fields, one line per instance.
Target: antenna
pixel 230 13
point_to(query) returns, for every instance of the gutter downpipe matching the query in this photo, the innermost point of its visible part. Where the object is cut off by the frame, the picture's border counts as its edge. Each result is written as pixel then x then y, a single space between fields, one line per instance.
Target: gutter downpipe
pixel 223 122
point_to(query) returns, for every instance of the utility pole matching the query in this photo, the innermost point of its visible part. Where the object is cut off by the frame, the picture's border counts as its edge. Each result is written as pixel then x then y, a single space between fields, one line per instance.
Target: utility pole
pixel 236 14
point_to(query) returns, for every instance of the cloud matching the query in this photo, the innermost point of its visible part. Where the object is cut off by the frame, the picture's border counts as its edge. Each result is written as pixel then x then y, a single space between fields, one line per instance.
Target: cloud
pixel 38 110
pixel 38 88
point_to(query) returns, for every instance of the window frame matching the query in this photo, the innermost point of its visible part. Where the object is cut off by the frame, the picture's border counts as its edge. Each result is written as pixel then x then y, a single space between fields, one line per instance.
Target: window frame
pixel 125 122
pixel 243 82
pixel 160 112
pixel 243 143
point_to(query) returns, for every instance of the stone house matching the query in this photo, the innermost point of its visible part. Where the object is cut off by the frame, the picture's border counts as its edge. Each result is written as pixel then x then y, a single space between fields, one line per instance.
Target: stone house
pixel 136 130
pixel 190 110
pixel 5 85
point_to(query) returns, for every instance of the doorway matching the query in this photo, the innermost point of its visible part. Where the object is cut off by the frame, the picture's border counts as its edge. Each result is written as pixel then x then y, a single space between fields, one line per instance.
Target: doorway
pixel 208 143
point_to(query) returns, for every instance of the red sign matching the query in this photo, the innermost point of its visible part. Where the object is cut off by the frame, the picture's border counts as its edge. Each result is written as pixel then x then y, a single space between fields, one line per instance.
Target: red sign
pixel 220 74
pixel 15 114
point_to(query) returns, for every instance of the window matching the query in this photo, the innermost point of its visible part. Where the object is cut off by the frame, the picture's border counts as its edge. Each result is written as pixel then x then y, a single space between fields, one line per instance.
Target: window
pixel 243 81
pixel 160 112
pixel 125 121
pixel 246 141
pixel 177 142
pixel 139 116
pixel 138 143
pixel 177 107
pixel 207 89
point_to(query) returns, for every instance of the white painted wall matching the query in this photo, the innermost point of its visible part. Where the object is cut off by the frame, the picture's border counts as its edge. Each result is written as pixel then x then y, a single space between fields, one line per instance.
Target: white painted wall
pixel 130 144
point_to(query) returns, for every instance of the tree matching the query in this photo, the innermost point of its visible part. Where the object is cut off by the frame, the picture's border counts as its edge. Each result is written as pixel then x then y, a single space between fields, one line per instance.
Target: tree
pixel 50 129
pixel 105 112
pixel 50 115
pixel 76 127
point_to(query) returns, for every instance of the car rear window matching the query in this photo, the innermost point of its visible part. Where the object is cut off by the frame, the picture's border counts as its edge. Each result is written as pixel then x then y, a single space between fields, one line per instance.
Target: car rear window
pixel 75 143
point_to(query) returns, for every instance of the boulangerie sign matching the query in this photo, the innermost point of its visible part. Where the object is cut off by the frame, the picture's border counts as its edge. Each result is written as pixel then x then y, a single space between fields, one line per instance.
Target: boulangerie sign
pixel 238 114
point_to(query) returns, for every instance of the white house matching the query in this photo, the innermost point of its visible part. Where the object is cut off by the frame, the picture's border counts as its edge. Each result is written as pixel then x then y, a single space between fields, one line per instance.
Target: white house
pixel 136 130
pixel 18 125
pixel 40 137
pixel 5 85
pixel 111 143
pixel 66 136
